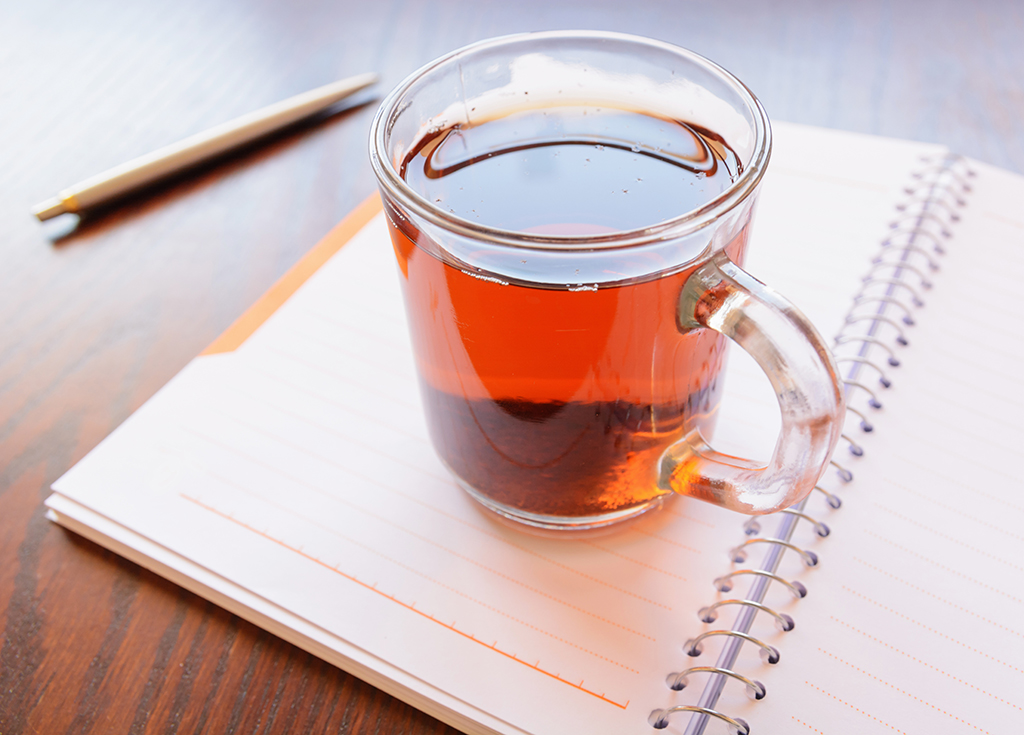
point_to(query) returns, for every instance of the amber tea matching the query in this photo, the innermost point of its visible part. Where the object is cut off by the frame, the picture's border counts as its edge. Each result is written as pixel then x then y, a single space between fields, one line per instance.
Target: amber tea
pixel 558 399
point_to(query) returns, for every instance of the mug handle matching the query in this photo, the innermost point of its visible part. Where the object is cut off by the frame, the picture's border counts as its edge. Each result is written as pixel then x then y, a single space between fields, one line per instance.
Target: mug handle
pixel 720 295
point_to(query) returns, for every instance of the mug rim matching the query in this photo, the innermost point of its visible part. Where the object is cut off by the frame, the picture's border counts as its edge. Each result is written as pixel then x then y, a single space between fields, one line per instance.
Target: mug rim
pixel 678 226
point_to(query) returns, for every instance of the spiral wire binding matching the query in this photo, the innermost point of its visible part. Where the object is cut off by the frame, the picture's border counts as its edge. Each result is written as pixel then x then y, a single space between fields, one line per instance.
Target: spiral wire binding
pixel 872 278
pixel 926 216
pixel 770 654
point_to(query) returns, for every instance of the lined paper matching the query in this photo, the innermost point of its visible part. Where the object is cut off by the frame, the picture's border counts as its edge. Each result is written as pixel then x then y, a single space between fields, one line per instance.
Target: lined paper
pixel 294 477
pixel 915 620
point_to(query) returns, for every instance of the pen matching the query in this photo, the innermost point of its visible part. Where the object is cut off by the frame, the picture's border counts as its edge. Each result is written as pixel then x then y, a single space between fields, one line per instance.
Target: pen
pixel 200 147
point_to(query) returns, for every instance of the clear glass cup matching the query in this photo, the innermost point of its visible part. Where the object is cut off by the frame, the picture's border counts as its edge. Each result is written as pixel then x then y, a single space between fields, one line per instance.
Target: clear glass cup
pixel 571 372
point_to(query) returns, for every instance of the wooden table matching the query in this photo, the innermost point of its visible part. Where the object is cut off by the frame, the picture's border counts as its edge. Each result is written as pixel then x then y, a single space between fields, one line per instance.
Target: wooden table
pixel 98 314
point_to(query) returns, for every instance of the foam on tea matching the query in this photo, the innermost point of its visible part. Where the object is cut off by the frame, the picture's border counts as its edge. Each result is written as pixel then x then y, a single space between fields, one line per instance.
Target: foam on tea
pixel 558 399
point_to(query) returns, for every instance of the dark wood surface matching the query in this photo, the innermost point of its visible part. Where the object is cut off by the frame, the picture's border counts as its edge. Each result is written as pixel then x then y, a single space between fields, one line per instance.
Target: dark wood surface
pixel 97 314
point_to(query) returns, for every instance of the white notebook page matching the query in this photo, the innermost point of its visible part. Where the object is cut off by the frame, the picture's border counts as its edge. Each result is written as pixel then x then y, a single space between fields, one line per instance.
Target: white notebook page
pixel 297 470
pixel 914 621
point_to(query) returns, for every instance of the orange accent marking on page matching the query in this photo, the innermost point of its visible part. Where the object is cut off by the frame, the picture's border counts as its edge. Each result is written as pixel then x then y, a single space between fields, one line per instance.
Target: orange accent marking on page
pixel 903 691
pixel 932 630
pixel 408 606
pixel 924 663
pixel 944 568
pixel 346 468
pixel 855 708
pixel 953 539
pixel 934 596
pixel 811 727
pixel 376 552
pixel 243 328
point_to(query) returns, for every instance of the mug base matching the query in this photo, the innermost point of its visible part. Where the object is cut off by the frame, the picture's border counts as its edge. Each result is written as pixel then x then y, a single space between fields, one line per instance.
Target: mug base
pixel 518 518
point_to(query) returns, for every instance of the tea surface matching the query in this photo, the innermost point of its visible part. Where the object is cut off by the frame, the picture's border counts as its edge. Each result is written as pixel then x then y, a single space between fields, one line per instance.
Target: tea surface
pixel 557 401
pixel 570 171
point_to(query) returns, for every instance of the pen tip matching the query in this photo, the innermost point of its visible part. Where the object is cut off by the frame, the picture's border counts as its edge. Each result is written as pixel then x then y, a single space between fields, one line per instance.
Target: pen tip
pixel 49 209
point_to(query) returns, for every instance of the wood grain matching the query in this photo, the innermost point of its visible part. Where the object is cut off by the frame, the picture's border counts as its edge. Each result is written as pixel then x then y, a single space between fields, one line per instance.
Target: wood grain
pixel 96 315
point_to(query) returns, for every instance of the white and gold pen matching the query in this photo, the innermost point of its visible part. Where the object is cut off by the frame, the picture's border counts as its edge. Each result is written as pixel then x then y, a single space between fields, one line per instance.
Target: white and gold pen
pixel 195 149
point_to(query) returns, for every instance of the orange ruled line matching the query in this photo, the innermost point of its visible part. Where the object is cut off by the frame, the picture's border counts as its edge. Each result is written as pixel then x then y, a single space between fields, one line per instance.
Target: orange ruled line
pixel 944 396
pixel 635 561
pixel 903 692
pixel 952 539
pixel 316 424
pixel 371 481
pixel 348 470
pixel 982 366
pixel 809 727
pixel 334 346
pixel 960 513
pixel 666 540
pixel 918 623
pixel 943 600
pixel 989 496
pixel 926 664
pixel 856 709
pixel 408 606
pixel 944 568
pixel 340 377
pixel 412 570
pixel 324 399
pixel 326 460
pixel 956 381
pixel 536 555
pixel 1004 220
pixel 351 355
pixel 691 519
pixel 337 301
pixel 947 451
pixel 397 346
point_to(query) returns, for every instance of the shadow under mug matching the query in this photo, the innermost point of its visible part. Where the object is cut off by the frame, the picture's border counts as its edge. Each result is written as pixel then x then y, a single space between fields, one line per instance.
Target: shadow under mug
pixel 572 380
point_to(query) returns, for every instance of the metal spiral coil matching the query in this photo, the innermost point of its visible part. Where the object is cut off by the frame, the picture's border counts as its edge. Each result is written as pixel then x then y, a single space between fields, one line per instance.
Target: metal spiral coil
pixel 770 654
pixel 724 583
pixel 880 319
pixel 870 277
pixel 882 377
pixel 834 501
pixel 921 204
pixel 910 250
pixel 739 553
pixel 753 527
pixel 873 402
pixel 913 233
pixel 709 614
pixel 939 193
pixel 909 214
pixel 908 316
pixel 844 474
pixel 844 339
pixel 896 283
pixel 659 717
pixel 855 449
pixel 678 682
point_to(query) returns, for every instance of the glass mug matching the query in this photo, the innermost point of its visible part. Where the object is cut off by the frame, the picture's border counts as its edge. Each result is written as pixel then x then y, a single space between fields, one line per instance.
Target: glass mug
pixel 570 213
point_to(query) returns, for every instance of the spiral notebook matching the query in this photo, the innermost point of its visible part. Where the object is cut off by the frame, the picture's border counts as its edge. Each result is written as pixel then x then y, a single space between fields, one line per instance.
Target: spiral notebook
pixel 285 474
